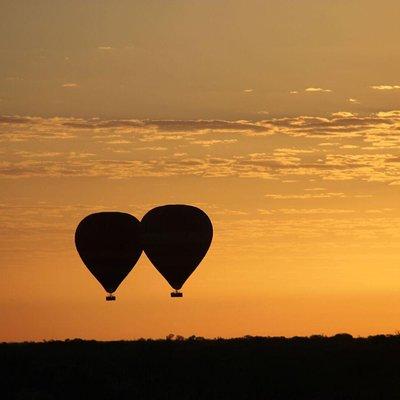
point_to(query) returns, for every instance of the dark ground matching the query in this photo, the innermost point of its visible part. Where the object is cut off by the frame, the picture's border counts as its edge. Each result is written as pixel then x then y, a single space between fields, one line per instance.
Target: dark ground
pixel 323 368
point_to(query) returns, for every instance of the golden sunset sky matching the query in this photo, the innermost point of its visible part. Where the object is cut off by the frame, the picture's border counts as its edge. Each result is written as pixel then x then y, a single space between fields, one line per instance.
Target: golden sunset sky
pixel 280 119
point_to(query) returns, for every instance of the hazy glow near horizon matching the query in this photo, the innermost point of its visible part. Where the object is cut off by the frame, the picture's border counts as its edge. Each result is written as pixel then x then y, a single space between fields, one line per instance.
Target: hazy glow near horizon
pixel 280 120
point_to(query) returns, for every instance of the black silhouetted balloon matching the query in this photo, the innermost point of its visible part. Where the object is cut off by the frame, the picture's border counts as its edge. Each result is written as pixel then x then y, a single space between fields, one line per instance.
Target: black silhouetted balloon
pixel 175 239
pixel 109 245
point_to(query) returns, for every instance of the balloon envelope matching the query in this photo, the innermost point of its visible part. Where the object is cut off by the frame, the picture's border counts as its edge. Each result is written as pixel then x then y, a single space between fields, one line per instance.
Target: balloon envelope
pixel 175 239
pixel 109 245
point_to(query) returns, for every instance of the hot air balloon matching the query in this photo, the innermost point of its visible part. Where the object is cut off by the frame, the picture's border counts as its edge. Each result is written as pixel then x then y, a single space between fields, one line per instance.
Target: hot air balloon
pixel 109 245
pixel 176 238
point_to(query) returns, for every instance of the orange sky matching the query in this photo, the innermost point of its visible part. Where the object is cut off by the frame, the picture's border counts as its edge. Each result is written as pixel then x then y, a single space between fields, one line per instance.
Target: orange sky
pixel 280 120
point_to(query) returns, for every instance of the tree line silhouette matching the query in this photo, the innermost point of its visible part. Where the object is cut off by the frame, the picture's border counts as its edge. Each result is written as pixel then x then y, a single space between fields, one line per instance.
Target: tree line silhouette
pixel 312 368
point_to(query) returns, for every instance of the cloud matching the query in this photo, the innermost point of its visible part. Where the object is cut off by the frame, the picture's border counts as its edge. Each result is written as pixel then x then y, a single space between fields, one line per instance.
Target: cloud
pixel 340 124
pixel 354 101
pixel 343 114
pixel 311 211
pixel 306 196
pixel 24 129
pixel 328 144
pixel 260 166
pixel 292 151
pixel 212 142
pixel 389 114
pixel 70 85
pixel 119 141
pixel 30 154
pixel 317 89
pixel 293 92
pixel 206 125
pixel 385 87
pixel 276 166
pixel 104 48
pixel 15 119
pixel 248 91
pixel 151 148
pixel 354 147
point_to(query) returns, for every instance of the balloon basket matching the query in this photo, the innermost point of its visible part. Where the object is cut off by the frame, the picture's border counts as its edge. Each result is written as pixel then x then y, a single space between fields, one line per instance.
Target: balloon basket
pixel 110 297
pixel 176 294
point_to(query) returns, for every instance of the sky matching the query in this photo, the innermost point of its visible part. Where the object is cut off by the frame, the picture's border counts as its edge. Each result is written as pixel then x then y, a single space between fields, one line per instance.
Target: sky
pixel 280 119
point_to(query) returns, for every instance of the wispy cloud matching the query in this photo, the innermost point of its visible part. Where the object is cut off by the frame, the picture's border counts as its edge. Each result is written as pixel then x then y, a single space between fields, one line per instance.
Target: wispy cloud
pixel 151 148
pixel 69 85
pixel 364 148
pixel 211 142
pixel 317 89
pixel 343 114
pixel 385 87
pixel 305 196
pixel 333 167
pixel 307 211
